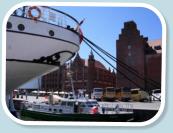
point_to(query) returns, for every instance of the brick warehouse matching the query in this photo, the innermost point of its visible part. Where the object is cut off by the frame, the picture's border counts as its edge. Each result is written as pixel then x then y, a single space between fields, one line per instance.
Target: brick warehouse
pixel 143 56
pixel 87 74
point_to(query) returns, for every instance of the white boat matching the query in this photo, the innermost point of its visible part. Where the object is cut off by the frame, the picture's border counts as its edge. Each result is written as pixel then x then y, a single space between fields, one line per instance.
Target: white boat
pixel 36 45
pixel 63 109
pixel 60 105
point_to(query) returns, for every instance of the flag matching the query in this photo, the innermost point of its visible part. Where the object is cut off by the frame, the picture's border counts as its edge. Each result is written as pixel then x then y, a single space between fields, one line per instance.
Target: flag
pixel 78 29
pixel 81 22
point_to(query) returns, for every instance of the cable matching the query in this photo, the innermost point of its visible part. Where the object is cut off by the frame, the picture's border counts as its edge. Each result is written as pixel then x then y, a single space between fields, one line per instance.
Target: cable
pixel 133 71
pixel 111 64
pixel 116 68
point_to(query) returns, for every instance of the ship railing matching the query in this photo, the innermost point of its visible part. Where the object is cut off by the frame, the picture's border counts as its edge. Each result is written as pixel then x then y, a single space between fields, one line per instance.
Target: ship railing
pixel 108 108
pixel 49 15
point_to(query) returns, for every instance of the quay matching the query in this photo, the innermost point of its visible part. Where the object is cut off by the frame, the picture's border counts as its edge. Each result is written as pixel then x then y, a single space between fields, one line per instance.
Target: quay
pixel 142 111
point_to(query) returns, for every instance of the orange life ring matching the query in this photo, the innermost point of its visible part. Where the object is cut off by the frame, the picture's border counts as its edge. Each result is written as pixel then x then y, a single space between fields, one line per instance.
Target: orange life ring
pixel 30 13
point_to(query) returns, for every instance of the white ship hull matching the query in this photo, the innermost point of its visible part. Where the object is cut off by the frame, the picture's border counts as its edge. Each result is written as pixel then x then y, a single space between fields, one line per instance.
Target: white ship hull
pixel 33 51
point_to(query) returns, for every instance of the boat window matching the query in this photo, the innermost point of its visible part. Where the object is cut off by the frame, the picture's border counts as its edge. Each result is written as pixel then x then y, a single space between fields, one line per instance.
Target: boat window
pixel 63 103
pixel 94 103
pixel 37 106
pixel 66 95
pixel 82 104
pixel 70 104
pixel 91 104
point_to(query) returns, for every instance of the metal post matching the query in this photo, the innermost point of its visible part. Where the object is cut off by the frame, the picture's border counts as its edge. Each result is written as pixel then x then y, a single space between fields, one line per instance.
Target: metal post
pixel 69 75
pixel 71 80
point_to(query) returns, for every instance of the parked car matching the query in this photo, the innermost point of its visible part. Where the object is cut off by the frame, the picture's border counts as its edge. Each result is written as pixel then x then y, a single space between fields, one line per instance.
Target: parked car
pixel 109 94
pixel 156 95
pixel 97 93
pixel 123 94
pixel 139 95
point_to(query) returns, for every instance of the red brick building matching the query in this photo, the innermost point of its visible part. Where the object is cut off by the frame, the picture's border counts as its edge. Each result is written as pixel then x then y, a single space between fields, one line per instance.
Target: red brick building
pixel 153 71
pixel 134 50
pixel 53 81
pixel 86 74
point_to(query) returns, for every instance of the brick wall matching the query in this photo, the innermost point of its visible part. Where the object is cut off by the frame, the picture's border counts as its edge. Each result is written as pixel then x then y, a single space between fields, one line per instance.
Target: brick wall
pixel 153 71
pixel 130 50
pixel 133 50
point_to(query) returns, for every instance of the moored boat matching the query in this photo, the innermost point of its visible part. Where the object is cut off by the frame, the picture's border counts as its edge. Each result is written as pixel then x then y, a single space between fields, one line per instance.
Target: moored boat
pixel 43 116
pixel 63 109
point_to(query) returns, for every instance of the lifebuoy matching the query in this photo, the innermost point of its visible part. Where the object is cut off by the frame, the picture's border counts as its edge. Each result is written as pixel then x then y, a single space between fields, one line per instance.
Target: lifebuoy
pixel 31 15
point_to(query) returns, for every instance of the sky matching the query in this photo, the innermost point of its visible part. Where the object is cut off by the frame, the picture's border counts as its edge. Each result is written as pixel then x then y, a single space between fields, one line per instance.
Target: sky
pixel 103 25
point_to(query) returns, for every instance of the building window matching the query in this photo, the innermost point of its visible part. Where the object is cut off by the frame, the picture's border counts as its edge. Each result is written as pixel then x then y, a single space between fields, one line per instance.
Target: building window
pixel 129 46
pixel 128 32
pixel 129 54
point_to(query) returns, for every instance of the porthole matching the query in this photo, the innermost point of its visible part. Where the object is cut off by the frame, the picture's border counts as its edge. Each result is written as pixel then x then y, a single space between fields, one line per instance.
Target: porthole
pixel 21 27
pixel 51 33
pixel 60 110
pixel 9 25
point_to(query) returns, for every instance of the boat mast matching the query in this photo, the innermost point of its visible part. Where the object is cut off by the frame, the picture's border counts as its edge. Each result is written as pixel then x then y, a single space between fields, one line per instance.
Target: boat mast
pixel 39 87
pixel 69 75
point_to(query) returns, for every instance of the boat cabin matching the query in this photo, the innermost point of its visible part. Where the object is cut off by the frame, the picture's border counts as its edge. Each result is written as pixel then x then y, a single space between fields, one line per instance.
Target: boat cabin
pixel 66 106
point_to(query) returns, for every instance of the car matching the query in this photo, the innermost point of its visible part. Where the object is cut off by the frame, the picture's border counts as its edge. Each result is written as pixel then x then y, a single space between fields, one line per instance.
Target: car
pixel 139 95
pixel 156 95
pixel 97 94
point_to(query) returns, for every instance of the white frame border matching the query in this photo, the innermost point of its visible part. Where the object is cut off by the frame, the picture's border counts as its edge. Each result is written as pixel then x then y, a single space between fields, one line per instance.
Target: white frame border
pixel 85 4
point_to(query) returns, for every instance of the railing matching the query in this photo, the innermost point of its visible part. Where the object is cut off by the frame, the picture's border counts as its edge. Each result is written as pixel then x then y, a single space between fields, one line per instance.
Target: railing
pixel 47 14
